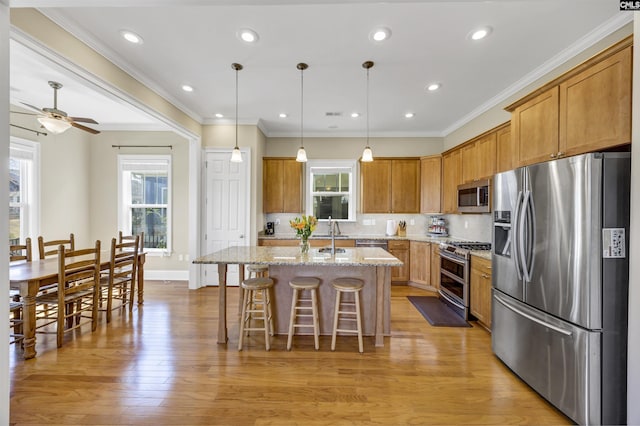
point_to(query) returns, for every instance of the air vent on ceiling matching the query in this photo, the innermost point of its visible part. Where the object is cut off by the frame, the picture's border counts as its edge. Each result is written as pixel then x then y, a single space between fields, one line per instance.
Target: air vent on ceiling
pixel 333 114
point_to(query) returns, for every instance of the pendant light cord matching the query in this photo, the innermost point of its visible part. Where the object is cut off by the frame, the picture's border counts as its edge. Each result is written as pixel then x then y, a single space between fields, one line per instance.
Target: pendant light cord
pixel 237 69
pixel 301 105
pixel 367 106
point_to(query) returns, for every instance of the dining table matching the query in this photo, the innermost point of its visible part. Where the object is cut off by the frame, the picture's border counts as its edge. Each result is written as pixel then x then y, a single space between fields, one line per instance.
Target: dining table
pixel 28 277
pixel 371 264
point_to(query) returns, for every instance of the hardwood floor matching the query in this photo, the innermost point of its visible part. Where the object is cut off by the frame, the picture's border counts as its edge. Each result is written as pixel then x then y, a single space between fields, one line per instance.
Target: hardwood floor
pixel 162 365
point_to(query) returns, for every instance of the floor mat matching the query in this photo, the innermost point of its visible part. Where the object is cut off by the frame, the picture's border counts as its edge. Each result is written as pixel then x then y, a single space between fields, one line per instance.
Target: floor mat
pixel 437 312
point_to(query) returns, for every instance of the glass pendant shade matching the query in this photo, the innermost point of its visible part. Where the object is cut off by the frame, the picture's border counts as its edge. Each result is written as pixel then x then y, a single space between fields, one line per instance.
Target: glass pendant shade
pixel 236 155
pixel 367 155
pixel 302 155
pixel 54 126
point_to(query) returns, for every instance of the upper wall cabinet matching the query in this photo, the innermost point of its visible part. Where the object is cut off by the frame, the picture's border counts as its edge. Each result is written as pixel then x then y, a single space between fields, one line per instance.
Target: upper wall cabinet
pixel 282 185
pixel 451 178
pixel 390 185
pixel 587 109
pixel 430 184
pixel 479 158
pixel 505 152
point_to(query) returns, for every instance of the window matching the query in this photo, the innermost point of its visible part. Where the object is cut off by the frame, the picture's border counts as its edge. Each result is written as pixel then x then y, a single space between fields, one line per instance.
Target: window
pixel 331 189
pixel 23 186
pixel 144 183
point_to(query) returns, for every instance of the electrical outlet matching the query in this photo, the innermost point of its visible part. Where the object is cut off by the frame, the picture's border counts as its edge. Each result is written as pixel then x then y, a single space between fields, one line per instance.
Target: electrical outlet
pixel 180 257
pixel 466 224
pixel 412 222
pixel 277 221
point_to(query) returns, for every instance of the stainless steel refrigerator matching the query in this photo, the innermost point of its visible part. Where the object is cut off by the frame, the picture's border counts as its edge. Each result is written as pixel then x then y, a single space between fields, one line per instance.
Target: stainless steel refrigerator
pixel 560 281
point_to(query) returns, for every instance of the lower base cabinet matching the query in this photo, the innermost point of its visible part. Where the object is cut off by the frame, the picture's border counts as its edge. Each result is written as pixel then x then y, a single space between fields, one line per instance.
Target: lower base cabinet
pixel 420 260
pixel 480 290
pixel 435 266
pixel 400 249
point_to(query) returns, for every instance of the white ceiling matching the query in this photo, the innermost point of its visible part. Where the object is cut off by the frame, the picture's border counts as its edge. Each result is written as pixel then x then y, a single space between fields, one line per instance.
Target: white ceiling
pixel 194 42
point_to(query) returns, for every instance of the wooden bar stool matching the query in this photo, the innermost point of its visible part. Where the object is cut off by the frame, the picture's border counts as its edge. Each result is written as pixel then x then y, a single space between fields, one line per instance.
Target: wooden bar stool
pixel 255 271
pixel 300 284
pixel 347 285
pixel 256 301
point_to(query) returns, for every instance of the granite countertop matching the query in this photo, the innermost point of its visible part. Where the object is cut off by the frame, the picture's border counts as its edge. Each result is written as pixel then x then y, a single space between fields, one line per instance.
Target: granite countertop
pixel 409 237
pixel 484 254
pixel 291 256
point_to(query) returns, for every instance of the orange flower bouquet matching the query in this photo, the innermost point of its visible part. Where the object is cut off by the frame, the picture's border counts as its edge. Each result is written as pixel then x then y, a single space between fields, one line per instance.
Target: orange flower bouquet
pixel 304 227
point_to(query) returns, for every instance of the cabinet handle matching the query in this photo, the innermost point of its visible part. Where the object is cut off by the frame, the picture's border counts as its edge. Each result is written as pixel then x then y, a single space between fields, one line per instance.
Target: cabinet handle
pixel 552 155
pixel 560 154
pixel 485 276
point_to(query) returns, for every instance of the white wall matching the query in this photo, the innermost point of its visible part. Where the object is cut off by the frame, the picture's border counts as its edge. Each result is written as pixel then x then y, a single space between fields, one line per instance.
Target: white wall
pixel 633 376
pixel 351 148
pixel 4 196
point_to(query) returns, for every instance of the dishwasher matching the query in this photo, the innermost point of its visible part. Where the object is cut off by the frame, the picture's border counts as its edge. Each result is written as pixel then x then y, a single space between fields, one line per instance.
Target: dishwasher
pixel 372 243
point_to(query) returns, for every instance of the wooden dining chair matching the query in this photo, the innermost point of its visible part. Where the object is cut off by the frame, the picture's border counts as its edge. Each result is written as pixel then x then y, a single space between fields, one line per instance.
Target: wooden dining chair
pixel 16 307
pixel 123 238
pixel 50 248
pixel 76 294
pixel 120 282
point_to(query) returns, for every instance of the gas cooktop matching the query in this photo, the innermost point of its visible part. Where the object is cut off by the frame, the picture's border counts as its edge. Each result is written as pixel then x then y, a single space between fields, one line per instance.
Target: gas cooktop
pixel 463 248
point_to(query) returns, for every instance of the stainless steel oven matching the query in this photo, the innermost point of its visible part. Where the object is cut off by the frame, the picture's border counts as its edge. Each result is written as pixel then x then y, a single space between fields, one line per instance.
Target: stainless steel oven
pixel 454 273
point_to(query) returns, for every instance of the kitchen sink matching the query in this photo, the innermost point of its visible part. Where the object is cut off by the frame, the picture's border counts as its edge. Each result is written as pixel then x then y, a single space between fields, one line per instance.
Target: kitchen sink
pixel 328 250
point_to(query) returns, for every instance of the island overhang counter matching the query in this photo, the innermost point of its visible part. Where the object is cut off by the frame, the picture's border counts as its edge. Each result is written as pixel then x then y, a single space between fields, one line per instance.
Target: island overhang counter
pixel 371 264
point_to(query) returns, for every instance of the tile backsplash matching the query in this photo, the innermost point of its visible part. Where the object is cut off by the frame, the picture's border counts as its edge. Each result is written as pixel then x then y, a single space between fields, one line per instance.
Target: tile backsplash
pixel 475 227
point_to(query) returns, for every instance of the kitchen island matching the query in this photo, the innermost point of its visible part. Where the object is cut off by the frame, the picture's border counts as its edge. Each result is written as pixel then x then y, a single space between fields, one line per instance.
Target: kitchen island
pixel 371 264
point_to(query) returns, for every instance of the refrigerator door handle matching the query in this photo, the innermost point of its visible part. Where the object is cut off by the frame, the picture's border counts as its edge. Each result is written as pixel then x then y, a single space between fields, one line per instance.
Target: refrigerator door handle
pixel 526 236
pixel 515 241
pixel 522 233
pixel 532 318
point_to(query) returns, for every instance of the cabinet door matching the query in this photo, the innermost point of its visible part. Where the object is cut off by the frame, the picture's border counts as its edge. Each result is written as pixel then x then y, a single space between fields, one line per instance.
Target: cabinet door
pixel 505 152
pixel 451 176
pixel 595 106
pixel 281 185
pixel 480 290
pixel 486 156
pixel 272 189
pixel 535 128
pixel 375 186
pixel 469 162
pixel 400 249
pixel 405 186
pixel 430 184
pixel 420 260
pixel 435 266
pixel 292 186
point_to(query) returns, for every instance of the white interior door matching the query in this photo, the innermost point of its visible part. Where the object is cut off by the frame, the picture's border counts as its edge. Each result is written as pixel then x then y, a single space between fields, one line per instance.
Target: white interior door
pixel 226 209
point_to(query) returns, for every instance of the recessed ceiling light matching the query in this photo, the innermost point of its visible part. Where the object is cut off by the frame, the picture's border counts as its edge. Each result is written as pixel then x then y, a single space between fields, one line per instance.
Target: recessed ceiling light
pixel 480 33
pixel 355 114
pixel 380 34
pixel 187 88
pixel 218 115
pixel 247 35
pixel 131 37
pixel 433 87
pixel 282 115
pixel 409 115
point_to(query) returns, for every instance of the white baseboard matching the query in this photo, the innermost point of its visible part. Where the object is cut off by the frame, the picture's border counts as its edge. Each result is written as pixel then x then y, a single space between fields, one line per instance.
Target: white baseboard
pixel 173 275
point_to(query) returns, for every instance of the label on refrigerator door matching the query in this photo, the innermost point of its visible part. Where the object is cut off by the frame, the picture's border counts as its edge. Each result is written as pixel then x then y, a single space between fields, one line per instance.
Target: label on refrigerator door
pixel 613 243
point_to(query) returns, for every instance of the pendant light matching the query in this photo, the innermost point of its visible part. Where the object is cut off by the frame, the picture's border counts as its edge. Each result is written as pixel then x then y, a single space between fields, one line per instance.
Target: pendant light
pixel 367 154
pixel 302 154
pixel 236 155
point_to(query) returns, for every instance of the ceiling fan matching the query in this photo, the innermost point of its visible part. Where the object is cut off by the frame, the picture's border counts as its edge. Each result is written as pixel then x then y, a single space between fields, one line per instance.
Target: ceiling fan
pixel 57 121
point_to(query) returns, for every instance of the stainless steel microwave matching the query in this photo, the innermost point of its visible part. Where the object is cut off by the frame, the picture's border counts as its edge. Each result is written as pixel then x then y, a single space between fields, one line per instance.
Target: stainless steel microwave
pixel 474 197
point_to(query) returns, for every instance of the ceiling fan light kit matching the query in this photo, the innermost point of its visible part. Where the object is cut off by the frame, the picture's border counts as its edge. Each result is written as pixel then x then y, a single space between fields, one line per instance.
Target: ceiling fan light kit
pixel 53 125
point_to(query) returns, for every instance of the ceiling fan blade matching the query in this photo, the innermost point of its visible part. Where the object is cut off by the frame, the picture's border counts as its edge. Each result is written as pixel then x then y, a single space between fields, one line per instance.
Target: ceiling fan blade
pixel 25 113
pixel 84 120
pixel 33 107
pixel 85 128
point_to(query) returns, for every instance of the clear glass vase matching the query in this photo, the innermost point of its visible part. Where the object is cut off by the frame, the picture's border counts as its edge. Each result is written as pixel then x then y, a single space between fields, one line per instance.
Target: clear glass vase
pixel 304 246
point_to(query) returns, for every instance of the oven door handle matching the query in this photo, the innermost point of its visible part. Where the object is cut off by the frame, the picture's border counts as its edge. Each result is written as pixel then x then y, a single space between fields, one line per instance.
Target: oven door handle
pixel 452 258
pixel 450 300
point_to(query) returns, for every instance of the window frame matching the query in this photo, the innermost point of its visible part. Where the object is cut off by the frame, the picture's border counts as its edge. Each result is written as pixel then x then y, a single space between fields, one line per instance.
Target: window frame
pixel 126 163
pixel 30 189
pixel 351 167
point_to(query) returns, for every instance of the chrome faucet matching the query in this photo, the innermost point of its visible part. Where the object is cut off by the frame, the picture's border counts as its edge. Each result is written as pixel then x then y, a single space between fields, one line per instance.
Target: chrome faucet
pixel 332 231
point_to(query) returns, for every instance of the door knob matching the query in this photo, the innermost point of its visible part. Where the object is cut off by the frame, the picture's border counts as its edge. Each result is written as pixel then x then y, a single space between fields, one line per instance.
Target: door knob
pixel 241 236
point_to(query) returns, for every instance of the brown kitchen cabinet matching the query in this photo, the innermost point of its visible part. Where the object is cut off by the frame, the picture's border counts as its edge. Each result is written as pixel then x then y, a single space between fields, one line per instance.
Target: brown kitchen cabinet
pixel 420 264
pixel 282 185
pixel 479 158
pixel 587 109
pixel 430 184
pixel 390 185
pixel 469 155
pixel 451 178
pixel 505 152
pixel 400 249
pixel 480 290
pixel 435 266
